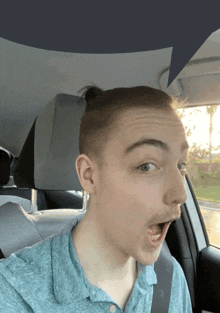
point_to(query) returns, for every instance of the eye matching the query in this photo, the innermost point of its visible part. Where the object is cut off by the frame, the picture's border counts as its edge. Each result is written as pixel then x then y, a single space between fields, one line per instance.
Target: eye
pixel 182 167
pixel 146 167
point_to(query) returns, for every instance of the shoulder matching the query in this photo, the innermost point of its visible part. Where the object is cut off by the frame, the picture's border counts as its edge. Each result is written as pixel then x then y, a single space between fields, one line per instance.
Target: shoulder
pixel 25 264
pixel 179 298
pixel 26 256
pixel 37 253
pixel 10 300
pixel 28 271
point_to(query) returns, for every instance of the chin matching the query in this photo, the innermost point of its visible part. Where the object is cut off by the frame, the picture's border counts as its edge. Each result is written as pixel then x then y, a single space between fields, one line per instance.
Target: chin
pixel 149 257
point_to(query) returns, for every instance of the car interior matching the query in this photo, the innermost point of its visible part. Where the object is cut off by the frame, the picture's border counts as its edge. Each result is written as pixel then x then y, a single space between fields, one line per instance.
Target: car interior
pixel 41 111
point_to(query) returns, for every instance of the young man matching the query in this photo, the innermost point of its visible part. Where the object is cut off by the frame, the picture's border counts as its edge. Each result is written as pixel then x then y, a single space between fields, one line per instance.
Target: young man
pixel 132 163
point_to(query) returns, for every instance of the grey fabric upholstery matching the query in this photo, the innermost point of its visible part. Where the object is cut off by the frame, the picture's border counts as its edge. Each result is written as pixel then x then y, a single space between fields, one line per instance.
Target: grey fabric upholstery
pixel 19 229
pixel 56 144
pixel 24 203
pixel 47 159
pixel 48 155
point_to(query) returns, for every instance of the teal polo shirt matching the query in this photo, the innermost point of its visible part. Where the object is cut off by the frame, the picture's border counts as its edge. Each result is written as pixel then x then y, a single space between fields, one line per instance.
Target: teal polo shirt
pixel 49 278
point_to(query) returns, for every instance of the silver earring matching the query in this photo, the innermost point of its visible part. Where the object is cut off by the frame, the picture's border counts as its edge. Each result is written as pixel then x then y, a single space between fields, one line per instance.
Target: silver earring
pixel 85 201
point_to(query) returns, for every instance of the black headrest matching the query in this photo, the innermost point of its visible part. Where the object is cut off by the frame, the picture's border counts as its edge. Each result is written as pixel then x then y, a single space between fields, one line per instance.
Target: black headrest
pixel 5 165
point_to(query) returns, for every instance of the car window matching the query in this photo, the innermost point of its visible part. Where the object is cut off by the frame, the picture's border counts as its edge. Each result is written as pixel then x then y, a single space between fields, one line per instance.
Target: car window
pixel 202 128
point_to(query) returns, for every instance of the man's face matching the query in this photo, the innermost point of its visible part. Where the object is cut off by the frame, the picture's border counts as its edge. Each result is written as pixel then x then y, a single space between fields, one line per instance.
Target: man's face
pixel 141 181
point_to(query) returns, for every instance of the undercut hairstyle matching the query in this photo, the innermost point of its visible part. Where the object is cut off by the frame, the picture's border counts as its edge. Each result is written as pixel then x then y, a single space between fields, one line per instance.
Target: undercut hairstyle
pixel 103 109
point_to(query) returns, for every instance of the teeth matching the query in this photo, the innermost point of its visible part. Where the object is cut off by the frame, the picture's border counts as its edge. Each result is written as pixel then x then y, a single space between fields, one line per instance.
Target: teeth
pixel 155 237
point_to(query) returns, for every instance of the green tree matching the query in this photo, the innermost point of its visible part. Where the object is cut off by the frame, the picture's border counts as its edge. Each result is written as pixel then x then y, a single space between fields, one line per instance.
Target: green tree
pixel 197 154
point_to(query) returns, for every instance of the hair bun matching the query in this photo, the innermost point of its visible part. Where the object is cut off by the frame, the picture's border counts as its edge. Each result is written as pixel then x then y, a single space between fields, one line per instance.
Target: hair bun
pixel 92 93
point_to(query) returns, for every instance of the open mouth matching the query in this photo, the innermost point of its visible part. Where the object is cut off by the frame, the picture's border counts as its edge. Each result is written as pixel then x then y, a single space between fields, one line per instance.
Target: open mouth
pixel 157 229
pixel 162 225
pixel 157 233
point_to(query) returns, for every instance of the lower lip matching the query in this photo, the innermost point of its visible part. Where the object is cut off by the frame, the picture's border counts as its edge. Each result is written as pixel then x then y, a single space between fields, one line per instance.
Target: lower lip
pixel 157 242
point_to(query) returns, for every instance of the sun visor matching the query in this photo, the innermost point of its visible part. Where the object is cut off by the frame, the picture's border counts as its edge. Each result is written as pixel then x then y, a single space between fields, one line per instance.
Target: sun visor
pixel 198 83
pixel 47 160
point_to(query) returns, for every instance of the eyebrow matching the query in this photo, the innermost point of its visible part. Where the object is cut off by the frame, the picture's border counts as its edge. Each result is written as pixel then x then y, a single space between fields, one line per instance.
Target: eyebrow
pixel 156 143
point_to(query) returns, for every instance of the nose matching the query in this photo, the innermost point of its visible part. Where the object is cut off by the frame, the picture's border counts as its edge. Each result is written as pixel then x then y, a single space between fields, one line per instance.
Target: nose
pixel 175 191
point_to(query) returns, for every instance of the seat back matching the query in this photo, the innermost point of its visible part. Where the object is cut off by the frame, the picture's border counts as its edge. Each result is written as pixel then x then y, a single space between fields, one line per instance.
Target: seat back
pixel 8 190
pixel 19 229
pixel 46 162
pixel 24 203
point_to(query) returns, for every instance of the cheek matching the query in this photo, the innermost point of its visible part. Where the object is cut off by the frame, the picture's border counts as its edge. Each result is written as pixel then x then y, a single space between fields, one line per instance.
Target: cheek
pixel 142 189
pixel 131 200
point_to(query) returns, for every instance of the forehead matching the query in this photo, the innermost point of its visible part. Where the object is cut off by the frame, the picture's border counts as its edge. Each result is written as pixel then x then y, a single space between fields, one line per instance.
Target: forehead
pixel 135 124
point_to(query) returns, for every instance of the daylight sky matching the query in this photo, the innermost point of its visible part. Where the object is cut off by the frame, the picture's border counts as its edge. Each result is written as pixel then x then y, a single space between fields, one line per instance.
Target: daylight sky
pixel 201 133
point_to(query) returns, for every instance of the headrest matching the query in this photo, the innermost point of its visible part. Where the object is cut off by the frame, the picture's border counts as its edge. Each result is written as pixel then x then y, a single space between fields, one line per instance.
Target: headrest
pixel 47 159
pixel 5 164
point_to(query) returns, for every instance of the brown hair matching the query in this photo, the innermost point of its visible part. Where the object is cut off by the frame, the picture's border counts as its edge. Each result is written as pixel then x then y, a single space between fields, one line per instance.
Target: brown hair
pixel 103 108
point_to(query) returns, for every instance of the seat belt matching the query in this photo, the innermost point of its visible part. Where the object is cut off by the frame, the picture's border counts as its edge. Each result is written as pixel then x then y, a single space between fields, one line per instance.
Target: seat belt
pixel 164 271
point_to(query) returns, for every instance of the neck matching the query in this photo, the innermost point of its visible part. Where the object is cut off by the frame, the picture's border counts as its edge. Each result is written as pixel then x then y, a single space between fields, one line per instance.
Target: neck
pixel 100 259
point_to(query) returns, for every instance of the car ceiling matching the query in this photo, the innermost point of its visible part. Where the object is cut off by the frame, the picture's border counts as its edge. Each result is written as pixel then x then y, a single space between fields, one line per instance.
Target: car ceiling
pixel 31 77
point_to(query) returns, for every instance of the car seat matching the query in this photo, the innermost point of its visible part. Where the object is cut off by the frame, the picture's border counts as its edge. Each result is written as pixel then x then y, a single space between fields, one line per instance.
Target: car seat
pixel 8 190
pixel 46 162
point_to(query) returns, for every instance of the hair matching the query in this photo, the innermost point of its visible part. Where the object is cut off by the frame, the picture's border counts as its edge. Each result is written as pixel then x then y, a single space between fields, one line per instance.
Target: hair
pixel 103 108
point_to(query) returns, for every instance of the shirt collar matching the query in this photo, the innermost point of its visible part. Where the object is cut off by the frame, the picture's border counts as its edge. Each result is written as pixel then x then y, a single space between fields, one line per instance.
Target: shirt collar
pixel 146 275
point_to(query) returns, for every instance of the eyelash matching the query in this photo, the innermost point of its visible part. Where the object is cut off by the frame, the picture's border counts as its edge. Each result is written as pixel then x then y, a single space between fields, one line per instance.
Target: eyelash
pixel 139 167
pixel 183 170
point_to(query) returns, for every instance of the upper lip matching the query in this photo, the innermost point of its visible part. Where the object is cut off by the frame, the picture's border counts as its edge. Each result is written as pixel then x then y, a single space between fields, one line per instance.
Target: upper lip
pixel 171 220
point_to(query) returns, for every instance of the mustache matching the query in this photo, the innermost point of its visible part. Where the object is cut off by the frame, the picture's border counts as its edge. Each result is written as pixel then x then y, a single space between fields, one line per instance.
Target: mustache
pixel 171 216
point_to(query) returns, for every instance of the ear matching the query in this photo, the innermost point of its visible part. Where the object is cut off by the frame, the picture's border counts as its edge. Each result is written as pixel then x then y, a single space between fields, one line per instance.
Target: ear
pixel 85 168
